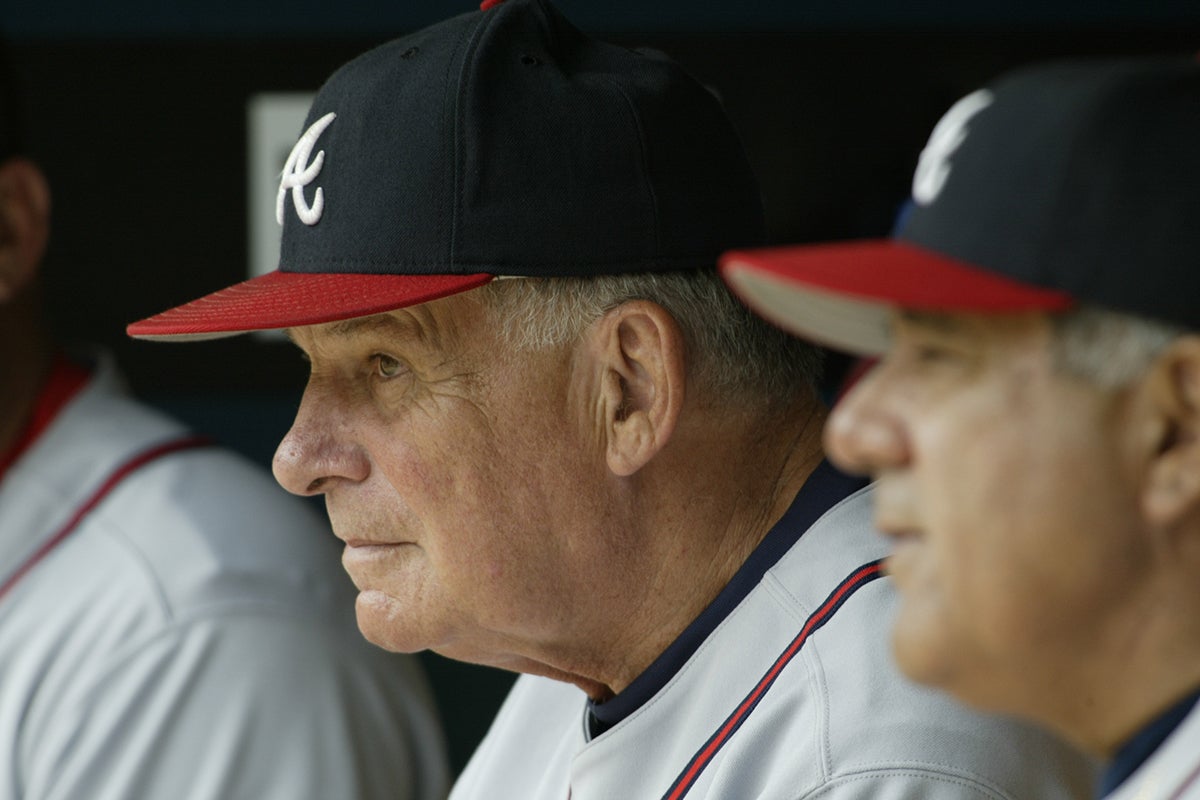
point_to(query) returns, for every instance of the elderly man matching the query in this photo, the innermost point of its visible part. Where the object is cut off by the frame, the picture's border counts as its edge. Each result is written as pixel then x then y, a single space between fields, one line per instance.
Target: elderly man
pixel 1035 424
pixel 602 472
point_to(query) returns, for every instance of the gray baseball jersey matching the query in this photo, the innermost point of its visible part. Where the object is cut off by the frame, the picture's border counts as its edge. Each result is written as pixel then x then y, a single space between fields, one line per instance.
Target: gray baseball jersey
pixel 790 694
pixel 193 635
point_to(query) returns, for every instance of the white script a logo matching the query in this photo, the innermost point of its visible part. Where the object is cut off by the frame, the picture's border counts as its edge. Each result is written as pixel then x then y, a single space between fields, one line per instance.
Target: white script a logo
pixel 933 166
pixel 298 173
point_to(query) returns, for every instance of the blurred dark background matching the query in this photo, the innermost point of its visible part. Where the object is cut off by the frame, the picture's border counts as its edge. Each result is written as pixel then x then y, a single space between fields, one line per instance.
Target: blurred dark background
pixel 137 112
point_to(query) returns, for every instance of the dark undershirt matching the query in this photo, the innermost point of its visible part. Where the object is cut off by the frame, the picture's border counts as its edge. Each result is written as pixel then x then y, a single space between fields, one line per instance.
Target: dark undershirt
pixel 1135 751
pixel 825 488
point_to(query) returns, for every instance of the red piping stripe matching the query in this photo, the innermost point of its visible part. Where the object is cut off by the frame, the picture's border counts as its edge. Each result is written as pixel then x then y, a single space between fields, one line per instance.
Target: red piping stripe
pixel 1183 787
pixel 109 484
pixel 859 578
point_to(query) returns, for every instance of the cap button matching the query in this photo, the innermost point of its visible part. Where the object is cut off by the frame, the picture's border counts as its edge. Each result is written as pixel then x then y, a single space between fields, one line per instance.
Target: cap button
pixel 486 4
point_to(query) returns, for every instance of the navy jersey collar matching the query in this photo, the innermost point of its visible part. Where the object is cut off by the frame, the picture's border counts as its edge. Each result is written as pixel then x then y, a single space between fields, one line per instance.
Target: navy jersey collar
pixel 1135 751
pixel 824 489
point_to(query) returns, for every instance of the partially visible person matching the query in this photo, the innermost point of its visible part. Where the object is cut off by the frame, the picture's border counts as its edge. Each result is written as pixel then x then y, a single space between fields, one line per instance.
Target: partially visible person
pixel 1034 425
pixel 171 624
pixel 553 442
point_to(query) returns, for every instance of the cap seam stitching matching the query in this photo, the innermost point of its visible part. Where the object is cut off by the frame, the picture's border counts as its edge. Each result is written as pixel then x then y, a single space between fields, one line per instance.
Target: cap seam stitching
pixel 646 182
pixel 461 86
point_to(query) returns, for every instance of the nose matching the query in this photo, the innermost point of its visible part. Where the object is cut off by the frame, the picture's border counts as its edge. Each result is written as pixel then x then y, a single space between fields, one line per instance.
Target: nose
pixel 319 450
pixel 864 434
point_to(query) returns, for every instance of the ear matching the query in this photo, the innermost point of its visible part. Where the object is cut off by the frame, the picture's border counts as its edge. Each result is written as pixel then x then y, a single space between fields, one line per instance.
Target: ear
pixel 24 224
pixel 641 358
pixel 1172 487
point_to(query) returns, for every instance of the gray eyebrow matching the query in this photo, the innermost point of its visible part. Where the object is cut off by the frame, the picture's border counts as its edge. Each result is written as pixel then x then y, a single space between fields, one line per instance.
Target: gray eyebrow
pixel 371 324
pixel 943 323
pixel 387 323
pixel 404 325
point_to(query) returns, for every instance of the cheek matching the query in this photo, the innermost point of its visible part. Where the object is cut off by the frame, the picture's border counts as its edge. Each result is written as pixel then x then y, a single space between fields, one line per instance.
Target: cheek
pixel 438 466
pixel 475 510
pixel 986 471
pixel 975 500
pixel 1026 528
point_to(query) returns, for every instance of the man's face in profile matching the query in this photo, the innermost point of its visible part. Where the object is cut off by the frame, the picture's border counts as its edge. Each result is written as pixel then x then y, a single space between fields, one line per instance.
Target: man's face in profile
pixel 1004 483
pixel 456 473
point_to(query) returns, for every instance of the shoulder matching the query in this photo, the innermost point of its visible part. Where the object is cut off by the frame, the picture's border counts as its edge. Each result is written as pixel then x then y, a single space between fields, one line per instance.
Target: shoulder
pixel 205 522
pixel 530 745
pixel 196 597
pixel 838 543
pixel 195 533
pixel 258 707
pixel 203 525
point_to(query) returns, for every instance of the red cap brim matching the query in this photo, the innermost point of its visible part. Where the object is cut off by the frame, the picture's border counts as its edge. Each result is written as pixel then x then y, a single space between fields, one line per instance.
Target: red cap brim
pixel 842 294
pixel 292 299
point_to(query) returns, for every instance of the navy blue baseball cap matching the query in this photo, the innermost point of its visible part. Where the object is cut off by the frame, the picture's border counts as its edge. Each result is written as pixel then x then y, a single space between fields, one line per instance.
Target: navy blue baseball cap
pixel 501 142
pixel 11 128
pixel 1061 184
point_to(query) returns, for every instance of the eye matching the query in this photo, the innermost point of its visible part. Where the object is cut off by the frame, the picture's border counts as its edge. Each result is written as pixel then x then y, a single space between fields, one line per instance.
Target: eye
pixel 933 340
pixel 938 356
pixel 930 354
pixel 922 351
pixel 386 366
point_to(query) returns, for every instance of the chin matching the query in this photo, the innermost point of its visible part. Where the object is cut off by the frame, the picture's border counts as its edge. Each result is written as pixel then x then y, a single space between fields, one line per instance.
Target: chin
pixel 920 656
pixel 382 620
pixel 946 665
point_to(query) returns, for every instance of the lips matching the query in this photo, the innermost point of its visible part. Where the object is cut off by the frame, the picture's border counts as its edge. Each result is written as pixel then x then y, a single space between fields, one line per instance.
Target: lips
pixel 896 529
pixel 374 564
pixel 358 549
pixel 357 543
pixel 898 534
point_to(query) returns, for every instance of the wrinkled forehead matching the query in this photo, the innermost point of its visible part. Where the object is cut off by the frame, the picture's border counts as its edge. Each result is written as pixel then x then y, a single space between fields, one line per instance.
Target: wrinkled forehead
pixel 449 324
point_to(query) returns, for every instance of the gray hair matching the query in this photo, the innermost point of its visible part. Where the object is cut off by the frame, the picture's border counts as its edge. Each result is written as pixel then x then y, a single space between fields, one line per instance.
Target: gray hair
pixel 731 353
pixel 1108 348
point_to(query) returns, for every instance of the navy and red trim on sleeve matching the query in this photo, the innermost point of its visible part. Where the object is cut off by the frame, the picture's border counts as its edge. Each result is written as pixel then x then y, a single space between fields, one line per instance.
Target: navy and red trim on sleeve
pixel 855 581
pixel 65 381
pixel 825 488
pixel 102 491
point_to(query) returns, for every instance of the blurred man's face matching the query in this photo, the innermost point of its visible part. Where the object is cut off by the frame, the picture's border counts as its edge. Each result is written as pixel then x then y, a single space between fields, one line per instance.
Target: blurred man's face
pixel 1006 487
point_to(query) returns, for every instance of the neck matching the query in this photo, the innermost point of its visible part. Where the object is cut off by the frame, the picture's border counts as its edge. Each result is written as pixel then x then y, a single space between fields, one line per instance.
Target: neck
pixel 1143 684
pixel 703 507
pixel 1134 664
